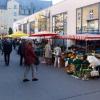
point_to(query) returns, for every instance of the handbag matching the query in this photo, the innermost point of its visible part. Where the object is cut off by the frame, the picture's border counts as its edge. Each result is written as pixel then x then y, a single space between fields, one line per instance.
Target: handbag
pixel 36 60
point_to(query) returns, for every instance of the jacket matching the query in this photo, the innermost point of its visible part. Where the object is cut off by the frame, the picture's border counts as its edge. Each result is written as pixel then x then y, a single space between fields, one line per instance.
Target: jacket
pixel 29 55
pixel 7 46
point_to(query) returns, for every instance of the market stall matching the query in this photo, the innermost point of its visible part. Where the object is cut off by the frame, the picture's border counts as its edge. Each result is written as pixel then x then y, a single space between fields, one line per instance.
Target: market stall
pixel 82 37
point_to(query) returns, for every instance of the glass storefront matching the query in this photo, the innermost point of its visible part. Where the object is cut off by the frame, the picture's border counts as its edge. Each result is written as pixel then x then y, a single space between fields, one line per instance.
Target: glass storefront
pixel 60 23
pixel 42 24
pixel 25 28
pixel 87 19
pixel 19 28
pixel 32 27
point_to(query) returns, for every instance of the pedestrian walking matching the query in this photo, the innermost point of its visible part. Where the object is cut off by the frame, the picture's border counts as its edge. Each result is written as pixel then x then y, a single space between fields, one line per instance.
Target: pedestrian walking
pixel 57 53
pixel 0 45
pixel 29 59
pixel 21 50
pixel 14 44
pixel 48 53
pixel 6 49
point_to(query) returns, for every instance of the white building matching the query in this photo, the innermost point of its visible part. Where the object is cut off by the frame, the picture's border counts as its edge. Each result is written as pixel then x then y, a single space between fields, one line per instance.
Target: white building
pixel 8 16
pixel 66 17
pixel 12 10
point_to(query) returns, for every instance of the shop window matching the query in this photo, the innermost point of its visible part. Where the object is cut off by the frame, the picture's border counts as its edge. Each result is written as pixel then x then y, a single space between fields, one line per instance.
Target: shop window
pixel 60 23
pixel 87 19
pixel 32 27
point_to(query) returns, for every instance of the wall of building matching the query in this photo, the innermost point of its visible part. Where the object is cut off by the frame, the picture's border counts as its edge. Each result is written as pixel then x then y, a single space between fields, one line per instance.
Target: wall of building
pixel 3 21
pixel 68 6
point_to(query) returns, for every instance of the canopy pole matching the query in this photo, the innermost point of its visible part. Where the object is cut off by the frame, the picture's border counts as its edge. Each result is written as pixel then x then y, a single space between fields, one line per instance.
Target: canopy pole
pixel 86 46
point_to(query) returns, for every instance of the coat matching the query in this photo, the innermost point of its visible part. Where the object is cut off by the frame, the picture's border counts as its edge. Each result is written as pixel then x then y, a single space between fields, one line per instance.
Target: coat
pixel 29 55
pixel 48 52
pixel 7 46
pixel 21 49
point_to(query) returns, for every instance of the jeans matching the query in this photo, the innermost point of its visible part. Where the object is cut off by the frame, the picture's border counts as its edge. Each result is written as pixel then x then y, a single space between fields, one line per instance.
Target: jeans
pixel 21 60
pixel 57 61
pixel 7 58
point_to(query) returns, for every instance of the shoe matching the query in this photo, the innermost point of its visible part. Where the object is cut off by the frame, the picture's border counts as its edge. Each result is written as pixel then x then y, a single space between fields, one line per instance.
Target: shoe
pixel 7 64
pixel 34 79
pixel 26 80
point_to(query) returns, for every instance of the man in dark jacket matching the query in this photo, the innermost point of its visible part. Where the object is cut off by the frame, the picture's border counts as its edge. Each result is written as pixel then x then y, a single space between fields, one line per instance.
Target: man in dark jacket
pixel 6 49
pixel 21 49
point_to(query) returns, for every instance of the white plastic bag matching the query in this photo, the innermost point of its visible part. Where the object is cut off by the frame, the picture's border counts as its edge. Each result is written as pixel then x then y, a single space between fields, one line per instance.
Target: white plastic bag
pixel 94 73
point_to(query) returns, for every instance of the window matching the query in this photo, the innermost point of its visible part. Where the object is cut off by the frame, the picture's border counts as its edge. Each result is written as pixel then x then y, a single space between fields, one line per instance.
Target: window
pixel 79 17
pixel 26 12
pixel 60 23
pixel 15 14
pixel 15 6
pixel 19 27
pixel 91 13
pixel 15 20
pixel 87 19
pixel 22 11
pixel 32 27
pixel 25 28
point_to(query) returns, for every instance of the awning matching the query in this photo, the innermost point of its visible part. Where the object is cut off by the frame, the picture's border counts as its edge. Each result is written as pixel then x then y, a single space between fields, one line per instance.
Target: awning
pixel 44 34
pixel 8 36
pixel 18 34
pixel 87 37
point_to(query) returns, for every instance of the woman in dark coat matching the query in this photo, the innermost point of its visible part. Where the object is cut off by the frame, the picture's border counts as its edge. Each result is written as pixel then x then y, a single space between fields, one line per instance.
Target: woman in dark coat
pixel 29 58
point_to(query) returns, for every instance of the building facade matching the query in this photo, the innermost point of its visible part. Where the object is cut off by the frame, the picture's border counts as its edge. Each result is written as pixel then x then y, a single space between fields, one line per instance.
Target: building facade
pixel 13 10
pixel 65 18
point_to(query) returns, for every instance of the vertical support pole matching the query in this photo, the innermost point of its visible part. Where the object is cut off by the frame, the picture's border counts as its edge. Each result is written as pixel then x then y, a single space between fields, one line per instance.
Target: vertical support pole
pixel 86 46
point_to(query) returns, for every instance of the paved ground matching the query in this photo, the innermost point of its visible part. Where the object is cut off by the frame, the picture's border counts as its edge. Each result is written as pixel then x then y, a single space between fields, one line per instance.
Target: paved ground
pixel 53 84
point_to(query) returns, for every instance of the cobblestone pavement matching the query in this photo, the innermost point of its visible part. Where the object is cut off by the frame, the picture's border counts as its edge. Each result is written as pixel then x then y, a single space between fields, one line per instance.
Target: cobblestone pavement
pixel 53 84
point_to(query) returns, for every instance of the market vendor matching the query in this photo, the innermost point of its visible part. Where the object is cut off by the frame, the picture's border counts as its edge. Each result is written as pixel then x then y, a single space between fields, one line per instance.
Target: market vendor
pixel 48 53
pixel 57 53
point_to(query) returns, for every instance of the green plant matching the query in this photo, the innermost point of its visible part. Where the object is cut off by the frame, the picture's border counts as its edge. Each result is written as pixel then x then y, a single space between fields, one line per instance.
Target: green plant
pixel 10 31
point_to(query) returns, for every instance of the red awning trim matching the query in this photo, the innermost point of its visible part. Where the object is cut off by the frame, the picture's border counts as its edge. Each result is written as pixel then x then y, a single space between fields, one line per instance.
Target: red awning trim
pixel 87 37
pixel 44 34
